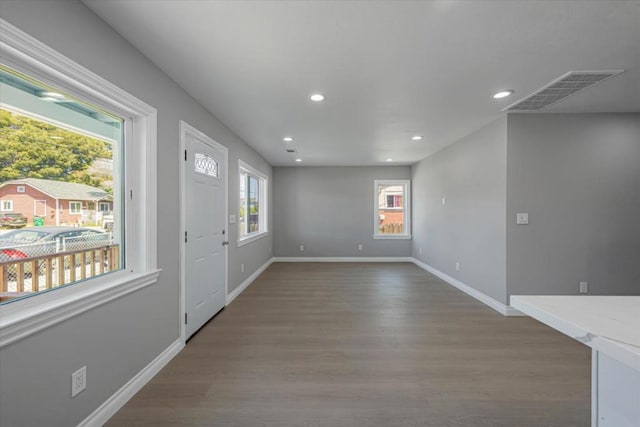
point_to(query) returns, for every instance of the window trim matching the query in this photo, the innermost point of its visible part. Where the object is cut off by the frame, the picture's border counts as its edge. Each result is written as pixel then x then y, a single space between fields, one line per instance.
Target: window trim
pixel 22 318
pixel 21 189
pixel 75 202
pixel 406 235
pixel 263 205
pixel 2 208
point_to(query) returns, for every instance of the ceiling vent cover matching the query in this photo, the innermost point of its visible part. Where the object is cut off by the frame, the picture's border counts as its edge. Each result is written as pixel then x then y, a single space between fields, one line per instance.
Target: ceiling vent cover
pixel 561 88
pixel 291 150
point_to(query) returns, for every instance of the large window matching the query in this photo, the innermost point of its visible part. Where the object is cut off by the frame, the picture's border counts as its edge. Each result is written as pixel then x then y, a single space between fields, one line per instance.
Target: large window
pixel 64 136
pixel 252 215
pixel 391 209
pixel 62 149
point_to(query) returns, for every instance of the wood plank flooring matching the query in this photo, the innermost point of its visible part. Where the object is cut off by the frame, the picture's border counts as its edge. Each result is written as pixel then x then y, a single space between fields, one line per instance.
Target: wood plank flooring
pixel 366 344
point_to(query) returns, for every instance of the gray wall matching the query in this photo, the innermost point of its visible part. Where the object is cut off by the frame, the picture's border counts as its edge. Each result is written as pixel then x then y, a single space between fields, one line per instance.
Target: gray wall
pixel 470 227
pixel 118 339
pixel 329 210
pixel 578 177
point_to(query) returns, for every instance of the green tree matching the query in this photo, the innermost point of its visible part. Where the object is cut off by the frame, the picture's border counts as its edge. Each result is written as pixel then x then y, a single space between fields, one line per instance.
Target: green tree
pixel 34 149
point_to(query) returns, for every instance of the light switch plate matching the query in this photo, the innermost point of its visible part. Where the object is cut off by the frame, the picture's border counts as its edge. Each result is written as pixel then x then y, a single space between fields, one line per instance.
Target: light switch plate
pixel 522 218
pixel 232 219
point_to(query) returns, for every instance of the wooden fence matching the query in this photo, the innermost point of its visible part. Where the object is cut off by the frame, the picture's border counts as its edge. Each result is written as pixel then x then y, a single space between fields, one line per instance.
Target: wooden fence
pixel 50 271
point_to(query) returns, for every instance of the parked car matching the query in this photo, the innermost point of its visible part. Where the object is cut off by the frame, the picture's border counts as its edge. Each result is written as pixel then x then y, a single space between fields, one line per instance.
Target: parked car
pixel 33 242
pixel 13 220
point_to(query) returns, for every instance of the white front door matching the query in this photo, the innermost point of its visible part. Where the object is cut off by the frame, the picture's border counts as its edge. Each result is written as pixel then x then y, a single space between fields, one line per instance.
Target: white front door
pixel 205 228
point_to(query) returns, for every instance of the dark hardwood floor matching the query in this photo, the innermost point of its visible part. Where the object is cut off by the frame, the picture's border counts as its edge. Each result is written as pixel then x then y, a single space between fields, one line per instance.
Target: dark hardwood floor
pixel 366 344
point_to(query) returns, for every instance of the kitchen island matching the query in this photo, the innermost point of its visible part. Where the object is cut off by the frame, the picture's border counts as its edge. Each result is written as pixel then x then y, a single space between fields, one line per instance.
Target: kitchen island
pixel 610 325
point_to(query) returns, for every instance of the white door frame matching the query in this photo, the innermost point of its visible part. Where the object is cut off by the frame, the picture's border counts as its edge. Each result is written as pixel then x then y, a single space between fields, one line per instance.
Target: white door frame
pixel 35 209
pixel 185 129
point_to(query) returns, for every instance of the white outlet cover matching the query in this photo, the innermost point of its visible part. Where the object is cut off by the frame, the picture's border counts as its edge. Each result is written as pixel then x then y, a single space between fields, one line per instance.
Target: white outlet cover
pixel 78 381
pixel 232 219
pixel 522 218
pixel 584 287
pixel 444 201
pixel 301 248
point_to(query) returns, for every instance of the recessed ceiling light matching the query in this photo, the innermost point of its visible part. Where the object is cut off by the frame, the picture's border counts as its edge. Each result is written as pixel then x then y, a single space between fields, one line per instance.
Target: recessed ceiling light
pixel 298 160
pixel 287 139
pixel 317 97
pixel 416 137
pixel 52 95
pixel 502 94
pixel 389 160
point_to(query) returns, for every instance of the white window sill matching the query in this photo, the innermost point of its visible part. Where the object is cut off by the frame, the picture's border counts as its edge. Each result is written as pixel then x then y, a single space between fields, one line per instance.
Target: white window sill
pixel 392 236
pixel 25 317
pixel 252 238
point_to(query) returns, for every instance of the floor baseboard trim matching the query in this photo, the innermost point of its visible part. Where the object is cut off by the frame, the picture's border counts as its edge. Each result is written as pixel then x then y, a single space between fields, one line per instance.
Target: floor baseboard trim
pixel 249 280
pixel 510 311
pixel 342 259
pixel 113 404
pixel 501 308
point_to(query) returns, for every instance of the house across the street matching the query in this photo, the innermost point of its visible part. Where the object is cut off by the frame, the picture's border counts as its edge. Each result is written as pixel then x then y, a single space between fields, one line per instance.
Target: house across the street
pixel 58 202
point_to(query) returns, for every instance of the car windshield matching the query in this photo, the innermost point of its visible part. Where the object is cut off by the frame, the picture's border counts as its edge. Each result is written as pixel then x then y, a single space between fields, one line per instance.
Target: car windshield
pixel 22 236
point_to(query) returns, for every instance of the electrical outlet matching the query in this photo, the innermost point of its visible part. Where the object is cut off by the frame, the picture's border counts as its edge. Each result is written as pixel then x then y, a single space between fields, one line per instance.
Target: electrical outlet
pixel 301 248
pixel 420 251
pixel 457 266
pixel 241 268
pixel 584 287
pixel 444 201
pixel 78 381
pixel 360 247
pixel 522 218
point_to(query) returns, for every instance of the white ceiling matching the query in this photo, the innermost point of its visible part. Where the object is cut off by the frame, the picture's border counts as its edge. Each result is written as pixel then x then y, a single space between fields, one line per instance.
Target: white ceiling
pixel 389 69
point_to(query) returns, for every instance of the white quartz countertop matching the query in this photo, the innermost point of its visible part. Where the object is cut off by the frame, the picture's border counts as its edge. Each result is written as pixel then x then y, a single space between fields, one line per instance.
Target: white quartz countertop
pixel 610 324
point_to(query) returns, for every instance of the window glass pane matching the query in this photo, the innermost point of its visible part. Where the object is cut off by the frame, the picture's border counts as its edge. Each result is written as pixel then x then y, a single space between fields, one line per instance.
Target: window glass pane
pixel 253 204
pixel 61 166
pixel 206 165
pixel 242 217
pixel 390 209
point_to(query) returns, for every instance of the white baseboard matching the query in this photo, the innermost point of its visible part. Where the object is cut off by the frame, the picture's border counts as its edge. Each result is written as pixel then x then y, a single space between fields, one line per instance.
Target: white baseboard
pixel 501 308
pixel 342 259
pixel 510 311
pixel 249 280
pixel 113 404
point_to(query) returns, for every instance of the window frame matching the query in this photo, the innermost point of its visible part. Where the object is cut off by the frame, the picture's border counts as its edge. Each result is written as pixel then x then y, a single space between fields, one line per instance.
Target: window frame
pixel 21 318
pixel 101 204
pixel 2 208
pixel 406 209
pixel 21 189
pixel 263 203
pixel 75 203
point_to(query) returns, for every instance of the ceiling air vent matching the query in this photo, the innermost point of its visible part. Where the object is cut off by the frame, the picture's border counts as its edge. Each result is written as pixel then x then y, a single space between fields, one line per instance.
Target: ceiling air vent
pixel 561 88
pixel 291 150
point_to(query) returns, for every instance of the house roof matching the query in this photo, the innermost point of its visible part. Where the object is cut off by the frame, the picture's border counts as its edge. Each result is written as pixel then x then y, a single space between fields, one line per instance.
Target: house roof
pixel 62 190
